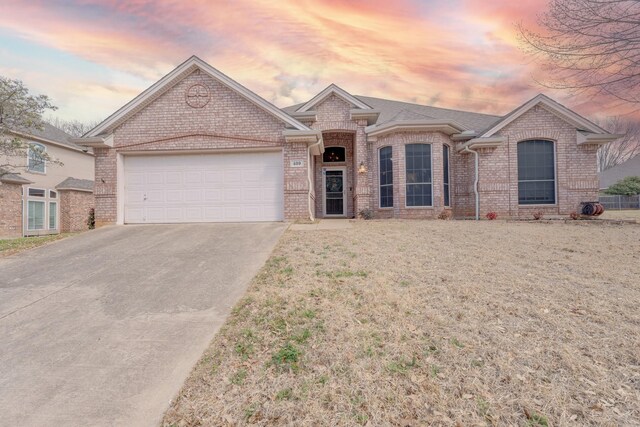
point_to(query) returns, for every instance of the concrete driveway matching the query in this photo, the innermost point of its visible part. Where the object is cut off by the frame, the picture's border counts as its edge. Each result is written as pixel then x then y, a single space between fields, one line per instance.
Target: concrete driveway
pixel 103 328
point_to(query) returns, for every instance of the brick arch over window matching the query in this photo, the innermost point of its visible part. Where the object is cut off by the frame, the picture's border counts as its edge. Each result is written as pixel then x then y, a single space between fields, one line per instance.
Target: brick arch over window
pixel 537 172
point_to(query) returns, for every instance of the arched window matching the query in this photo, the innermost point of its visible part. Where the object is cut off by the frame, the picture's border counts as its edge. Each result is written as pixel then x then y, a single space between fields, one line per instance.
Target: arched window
pixel 36 158
pixel 386 177
pixel 536 172
pixel 334 154
pixel 418 171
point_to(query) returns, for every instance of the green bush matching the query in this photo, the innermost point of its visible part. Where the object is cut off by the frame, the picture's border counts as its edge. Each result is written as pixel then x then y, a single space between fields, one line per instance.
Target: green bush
pixel 629 186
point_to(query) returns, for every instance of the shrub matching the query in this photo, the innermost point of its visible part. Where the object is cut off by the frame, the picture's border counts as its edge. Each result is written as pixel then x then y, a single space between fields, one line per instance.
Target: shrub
pixel 574 215
pixel 538 215
pixel 91 220
pixel 491 215
pixel 444 215
pixel 629 186
pixel 366 214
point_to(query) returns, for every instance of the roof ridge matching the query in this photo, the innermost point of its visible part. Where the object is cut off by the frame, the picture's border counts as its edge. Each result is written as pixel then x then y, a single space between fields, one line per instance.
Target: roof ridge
pixel 428 106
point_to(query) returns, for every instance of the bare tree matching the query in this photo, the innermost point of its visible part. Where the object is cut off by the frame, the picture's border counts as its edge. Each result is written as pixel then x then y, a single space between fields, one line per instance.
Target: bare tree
pixel 20 113
pixel 72 127
pixel 589 46
pixel 622 149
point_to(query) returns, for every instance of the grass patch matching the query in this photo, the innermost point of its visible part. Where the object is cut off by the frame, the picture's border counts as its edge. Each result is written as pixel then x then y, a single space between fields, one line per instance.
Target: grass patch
pixel 284 394
pixel 21 244
pixel 287 357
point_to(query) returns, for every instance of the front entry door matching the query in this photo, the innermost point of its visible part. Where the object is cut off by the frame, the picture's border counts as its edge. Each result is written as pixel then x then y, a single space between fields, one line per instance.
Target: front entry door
pixel 334 192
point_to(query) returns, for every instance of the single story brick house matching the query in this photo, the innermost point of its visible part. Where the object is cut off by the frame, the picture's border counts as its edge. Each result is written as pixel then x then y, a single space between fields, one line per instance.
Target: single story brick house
pixel 199 147
pixel 39 197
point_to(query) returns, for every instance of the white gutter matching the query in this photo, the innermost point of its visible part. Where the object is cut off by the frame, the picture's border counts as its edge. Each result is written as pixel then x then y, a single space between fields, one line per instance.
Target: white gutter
pixel 309 172
pixel 475 183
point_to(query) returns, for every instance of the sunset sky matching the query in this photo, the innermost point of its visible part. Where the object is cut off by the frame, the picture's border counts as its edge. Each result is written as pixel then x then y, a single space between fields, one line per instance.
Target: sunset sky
pixel 92 57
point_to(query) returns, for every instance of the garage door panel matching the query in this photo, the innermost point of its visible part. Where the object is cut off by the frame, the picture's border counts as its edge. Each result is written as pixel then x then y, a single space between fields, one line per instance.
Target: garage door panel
pixel 204 188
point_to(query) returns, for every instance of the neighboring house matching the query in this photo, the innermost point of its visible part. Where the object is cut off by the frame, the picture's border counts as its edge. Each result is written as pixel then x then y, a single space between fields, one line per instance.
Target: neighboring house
pixel 614 174
pixel 199 147
pixel 43 197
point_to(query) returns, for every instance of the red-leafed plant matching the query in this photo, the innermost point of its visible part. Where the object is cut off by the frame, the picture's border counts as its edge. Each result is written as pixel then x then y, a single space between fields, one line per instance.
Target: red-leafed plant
pixel 491 215
pixel 538 215
pixel 574 215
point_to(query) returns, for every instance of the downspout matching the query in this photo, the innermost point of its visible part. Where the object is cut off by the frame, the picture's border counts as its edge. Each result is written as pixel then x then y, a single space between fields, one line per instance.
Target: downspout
pixel 475 183
pixel 312 217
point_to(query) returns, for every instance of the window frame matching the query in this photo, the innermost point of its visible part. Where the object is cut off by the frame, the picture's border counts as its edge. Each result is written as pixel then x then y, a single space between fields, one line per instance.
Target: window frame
pixel 44 193
pixel 555 173
pixel 446 184
pixel 340 161
pixel 29 156
pixel 406 205
pixel 45 217
pixel 380 185
pixel 55 215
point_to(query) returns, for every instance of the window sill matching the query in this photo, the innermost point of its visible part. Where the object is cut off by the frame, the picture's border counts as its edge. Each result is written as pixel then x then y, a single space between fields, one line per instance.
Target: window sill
pixel 419 207
pixel 36 172
pixel 540 205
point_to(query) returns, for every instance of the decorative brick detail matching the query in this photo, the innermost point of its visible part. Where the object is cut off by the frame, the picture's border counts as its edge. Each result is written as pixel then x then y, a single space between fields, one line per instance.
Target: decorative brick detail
pixel 74 210
pixel 10 210
pixel 226 121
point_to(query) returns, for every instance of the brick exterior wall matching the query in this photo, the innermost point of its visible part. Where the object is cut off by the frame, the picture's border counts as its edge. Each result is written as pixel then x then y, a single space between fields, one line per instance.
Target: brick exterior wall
pixel 74 210
pixel 333 118
pixel 576 169
pixel 227 121
pixel 10 210
pixel 397 142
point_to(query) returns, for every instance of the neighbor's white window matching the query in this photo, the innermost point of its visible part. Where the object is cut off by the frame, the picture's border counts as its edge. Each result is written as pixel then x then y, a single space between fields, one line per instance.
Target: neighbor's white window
pixel 35 215
pixel 53 215
pixel 37 158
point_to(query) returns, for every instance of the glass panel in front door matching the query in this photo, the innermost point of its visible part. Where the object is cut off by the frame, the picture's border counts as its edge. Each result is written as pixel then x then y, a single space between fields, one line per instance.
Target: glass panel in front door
pixel 334 192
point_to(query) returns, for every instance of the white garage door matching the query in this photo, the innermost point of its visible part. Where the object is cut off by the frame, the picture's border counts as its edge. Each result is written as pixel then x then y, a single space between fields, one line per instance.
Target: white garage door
pixel 232 187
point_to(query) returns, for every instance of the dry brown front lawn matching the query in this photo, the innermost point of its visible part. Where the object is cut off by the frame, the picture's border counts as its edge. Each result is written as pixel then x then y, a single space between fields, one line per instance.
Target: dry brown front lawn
pixel 409 323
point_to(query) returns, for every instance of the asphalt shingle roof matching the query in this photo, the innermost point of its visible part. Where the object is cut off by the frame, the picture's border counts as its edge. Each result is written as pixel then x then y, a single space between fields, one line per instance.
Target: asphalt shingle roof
pixel 52 133
pixel 75 183
pixel 14 178
pixel 399 110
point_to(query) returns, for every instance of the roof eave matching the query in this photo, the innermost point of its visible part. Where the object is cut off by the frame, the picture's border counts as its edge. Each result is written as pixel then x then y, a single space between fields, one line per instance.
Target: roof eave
pixel 371 116
pixel 95 141
pixel 446 126
pixel 596 138
pixel 486 142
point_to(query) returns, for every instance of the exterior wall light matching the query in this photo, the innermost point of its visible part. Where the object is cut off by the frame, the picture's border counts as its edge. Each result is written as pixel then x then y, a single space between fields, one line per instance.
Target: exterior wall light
pixel 362 168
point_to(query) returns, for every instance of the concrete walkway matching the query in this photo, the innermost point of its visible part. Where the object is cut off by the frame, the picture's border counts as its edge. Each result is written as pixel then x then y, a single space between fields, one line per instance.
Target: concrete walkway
pixel 324 224
pixel 101 329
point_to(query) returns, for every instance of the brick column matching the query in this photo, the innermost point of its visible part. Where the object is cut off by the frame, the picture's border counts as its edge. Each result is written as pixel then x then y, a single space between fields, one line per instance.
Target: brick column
pixel 362 192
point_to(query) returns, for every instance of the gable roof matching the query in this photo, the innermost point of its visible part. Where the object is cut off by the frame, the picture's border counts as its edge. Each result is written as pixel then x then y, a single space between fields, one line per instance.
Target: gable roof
pixel 333 89
pixel 552 106
pixel 188 66
pixel 612 175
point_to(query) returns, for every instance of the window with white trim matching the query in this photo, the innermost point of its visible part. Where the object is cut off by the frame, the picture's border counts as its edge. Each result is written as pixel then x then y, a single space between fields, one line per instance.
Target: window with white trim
pixel 386 177
pixel 445 174
pixel 36 158
pixel 53 215
pixel 536 172
pixel 35 215
pixel 418 173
